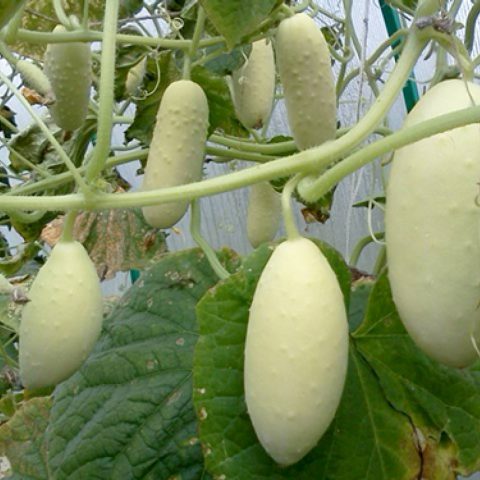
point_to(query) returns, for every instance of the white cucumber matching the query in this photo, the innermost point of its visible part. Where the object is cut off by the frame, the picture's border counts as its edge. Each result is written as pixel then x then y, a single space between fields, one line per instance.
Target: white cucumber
pixel 35 78
pixel 135 77
pixel 62 321
pixel 432 228
pixel 253 86
pixel 296 351
pixel 177 148
pixel 305 70
pixel 68 67
pixel 263 214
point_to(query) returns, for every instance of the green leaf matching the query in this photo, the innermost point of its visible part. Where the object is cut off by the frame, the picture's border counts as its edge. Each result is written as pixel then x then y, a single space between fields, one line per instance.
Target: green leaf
pixel 236 19
pixel 22 439
pixel 128 412
pixel 160 73
pixel 225 63
pixel 368 440
pixel 442 402
pixel 222 111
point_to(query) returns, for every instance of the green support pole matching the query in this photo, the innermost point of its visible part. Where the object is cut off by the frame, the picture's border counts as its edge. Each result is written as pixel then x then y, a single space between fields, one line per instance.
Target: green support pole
pixel 392 22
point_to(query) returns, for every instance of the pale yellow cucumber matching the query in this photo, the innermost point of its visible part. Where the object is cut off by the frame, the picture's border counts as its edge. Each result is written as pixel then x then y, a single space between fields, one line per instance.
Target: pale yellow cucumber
pixel 305 70
pixel 263 214
pixel 432 230
pixel 296 351
pixel 253 86
pixel 135 77
pixel 35 78
pixel 177 148
pixel 68 67
pixel 62 321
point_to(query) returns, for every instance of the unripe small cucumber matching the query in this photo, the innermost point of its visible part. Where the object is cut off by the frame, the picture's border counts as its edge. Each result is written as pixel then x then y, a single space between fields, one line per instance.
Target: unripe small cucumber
pixel 177 148
pixel 135 77
pixel 263 214
pixel 253 86
pixel 296 351
pixel 62 321
pixel 35 78
pixel 68 67
pixel 432 230
pixel 305 70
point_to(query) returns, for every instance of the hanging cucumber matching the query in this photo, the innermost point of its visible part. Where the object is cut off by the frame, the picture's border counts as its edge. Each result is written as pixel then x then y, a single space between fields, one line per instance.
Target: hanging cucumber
pixel 62 321
pixel 177 148
pixel 296 351
pixel 35 78
pixel 305 70
pixel 263 214
pixel 68 67
pixel 253 86
pixel 432 228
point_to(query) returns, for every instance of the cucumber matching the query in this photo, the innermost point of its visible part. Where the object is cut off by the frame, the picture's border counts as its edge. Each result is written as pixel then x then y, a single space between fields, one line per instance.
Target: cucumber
pixel 263 214
pixel 253 86
pixel 296 351
pixel 35 78
pixel 62 321
pixel 68 67
pixel 177 149
pixel 135 77
pixel 432 230
pixel 305 70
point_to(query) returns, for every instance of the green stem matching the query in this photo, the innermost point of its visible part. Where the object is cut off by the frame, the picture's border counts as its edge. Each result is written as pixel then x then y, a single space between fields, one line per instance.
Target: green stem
pixel 192 51
pixel 308 160
pixel 360 246
pixel 48 134
pixel 61 15
pixel 470 25
pixel 86 4
pixel 212 258
pixel 106 92
pixel 31 36
pixel 239 155
pixel 26 217
pixel 68 226
pixel 287 210
pixel 281 148
pixel 64 178
pixel 405 136
pixel 7 54
pixel 381 261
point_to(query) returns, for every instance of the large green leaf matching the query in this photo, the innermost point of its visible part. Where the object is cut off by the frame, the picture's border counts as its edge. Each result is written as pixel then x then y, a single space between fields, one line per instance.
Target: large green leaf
pixel 444 403
pixel 222 111
pixel 237 18
pixel 23 442
pixel 128 413
pixel 368 440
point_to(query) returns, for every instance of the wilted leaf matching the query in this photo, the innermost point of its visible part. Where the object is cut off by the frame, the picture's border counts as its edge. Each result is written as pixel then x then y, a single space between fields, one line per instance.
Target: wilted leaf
pixel 116 240
pixel 443 403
